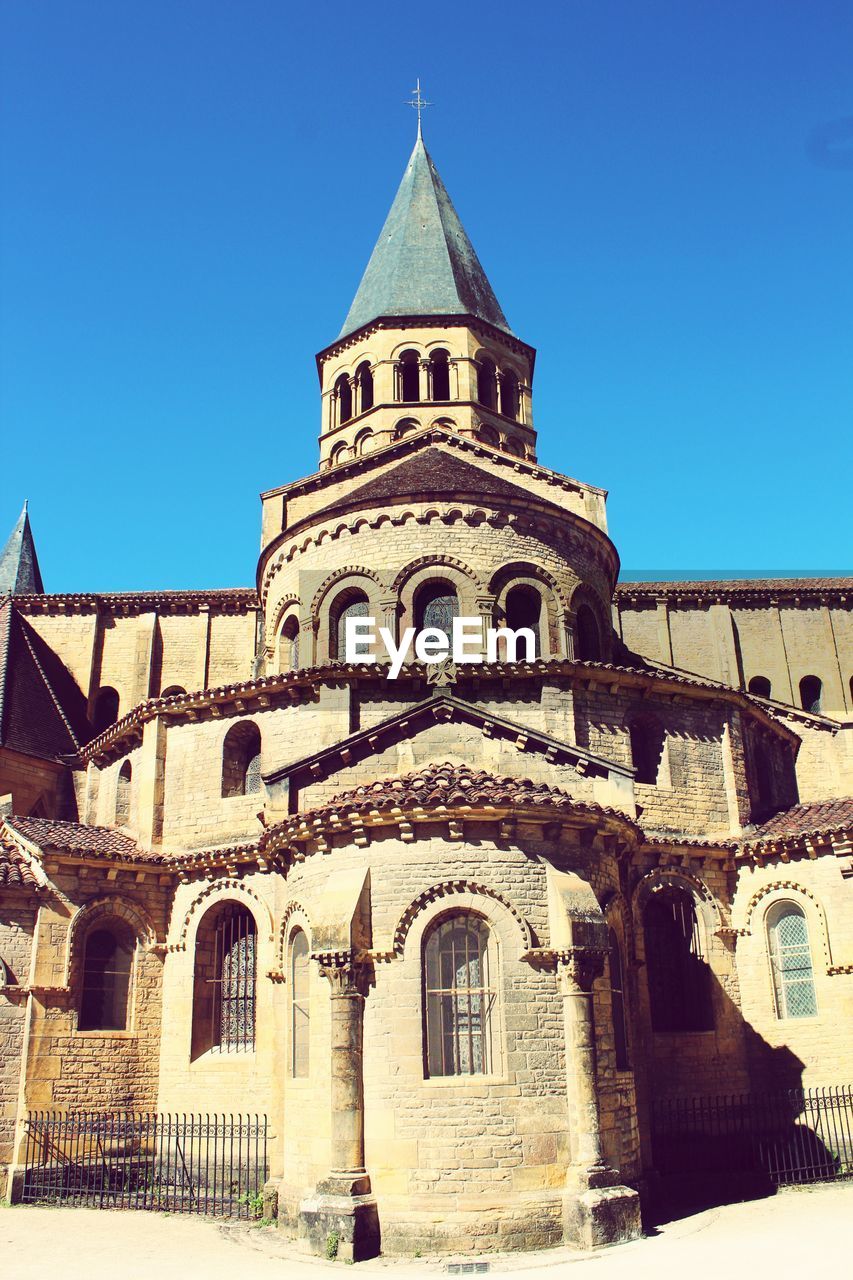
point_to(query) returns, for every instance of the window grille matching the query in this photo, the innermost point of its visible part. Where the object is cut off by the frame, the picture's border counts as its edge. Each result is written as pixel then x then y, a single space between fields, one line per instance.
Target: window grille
pixel 300 1010
pixel 233 1004
pixel 791 961
pixel 106 981
pixel 355 609
pixel 678 977
pixel 460 998
pixel 437 606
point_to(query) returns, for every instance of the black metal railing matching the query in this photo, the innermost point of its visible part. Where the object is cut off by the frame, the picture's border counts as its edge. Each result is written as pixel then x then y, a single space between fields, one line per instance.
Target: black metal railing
pixel 799 1135
pixel 206 1164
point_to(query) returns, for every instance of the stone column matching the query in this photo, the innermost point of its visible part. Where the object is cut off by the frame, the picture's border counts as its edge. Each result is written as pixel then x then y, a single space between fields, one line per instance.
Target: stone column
pixel 389 607
pixel 486 610
pixel 342 1215
pixel 569 619
pixel 596 1209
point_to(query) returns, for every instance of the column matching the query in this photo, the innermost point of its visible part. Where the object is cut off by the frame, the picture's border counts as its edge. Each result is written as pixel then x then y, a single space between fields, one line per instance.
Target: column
pixel 486 609
pixel 577 972
pixel 569 619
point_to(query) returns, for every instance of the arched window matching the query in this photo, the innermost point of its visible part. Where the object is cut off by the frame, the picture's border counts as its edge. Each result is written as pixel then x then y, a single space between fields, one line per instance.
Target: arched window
pixel 486 383
pixel 365 442
pixel 107 962
pixel 409 377
pixel 439 375
pixel 514 446
pixel 364 382
pixel 300 1008
pixel 524 609
pixel 617 1005
pixel 678 977
pixel 288 645
pixel 509 394
pixel 106 709
pixel 339 454
pixel 647 739
pixel 173 691
pixel 241 760
pixel 123 794
pixel 791 961
pixel 351 603
pixel 760 686
pixel 588 635
pixel 225 977
pixel 460 996
pixel 405 427
pixel 436 605
pixel 343 395
pixel 489 436
pixel 811 691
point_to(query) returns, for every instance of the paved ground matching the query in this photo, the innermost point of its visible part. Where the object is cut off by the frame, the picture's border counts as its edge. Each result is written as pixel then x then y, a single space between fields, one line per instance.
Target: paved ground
pixel 793 1233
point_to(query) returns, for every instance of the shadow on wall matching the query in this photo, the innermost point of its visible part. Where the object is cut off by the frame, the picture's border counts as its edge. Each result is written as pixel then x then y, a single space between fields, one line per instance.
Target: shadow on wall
pixel 713 1149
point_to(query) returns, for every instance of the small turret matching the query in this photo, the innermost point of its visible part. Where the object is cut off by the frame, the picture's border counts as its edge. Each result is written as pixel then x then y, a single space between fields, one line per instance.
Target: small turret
pixel 19 567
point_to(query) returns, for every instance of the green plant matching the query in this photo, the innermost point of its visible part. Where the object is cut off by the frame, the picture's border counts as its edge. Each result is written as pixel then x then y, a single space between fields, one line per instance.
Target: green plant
pixel 333 1239
pixel 254 1202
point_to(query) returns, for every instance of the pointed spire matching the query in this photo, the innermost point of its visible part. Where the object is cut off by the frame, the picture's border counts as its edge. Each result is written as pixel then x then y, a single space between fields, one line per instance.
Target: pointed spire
pixel 19 566
pixel 423 264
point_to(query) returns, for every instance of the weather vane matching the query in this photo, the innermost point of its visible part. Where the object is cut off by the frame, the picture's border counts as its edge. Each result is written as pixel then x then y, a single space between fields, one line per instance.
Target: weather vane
pixel 418 103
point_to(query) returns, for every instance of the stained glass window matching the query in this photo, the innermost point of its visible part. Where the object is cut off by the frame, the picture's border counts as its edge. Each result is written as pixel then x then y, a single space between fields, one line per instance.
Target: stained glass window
pixel 437 606
pixel 791 961
pixel 357 607
pixel 460 998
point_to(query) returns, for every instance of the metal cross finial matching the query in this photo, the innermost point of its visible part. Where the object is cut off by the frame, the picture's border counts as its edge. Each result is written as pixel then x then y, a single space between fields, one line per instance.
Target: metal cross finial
pixel 418 103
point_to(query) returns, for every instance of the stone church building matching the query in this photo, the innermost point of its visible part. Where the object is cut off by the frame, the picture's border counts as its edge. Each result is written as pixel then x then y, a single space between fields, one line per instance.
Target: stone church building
pixel 455 933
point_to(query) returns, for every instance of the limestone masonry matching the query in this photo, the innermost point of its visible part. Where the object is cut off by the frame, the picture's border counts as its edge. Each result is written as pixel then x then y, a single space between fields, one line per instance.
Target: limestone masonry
pixel 455 933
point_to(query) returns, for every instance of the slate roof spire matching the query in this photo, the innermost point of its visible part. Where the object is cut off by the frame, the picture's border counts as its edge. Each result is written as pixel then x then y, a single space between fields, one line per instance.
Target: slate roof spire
pixel 423 263
pixel 19 566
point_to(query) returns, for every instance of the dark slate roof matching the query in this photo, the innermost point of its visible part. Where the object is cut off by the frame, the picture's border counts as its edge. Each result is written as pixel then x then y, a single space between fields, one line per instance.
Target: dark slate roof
pixel 423 263
pixel 817 818
pixel 19 566
pixel 42 710
pixel 15 873
pixel 76 837
pixel 433 473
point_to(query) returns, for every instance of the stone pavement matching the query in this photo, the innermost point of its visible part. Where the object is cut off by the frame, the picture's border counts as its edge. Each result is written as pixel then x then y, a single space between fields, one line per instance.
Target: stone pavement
pixel 797 1232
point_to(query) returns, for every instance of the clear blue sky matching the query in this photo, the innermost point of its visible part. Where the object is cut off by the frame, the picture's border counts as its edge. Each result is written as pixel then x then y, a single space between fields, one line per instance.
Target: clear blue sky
pixel 661 194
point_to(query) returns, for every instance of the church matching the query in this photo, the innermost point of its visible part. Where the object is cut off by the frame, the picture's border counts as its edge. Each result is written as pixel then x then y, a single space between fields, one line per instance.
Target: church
pixel 456 934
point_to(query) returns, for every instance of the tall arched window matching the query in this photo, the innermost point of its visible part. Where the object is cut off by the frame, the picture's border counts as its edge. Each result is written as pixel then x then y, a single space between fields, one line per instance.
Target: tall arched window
pixel 678 977
pixel 409 377
pixel 364 382
pixel 791 961
pixel 107 962
pixel 241 760
pixel 760 686
pixel 647 739
pixel 288 645
pixel 460 996
pixel 225 979
pixel 811 694
pixel 524 609
pixel 439 375
pixel 436 605
pixel 486 383
pixel 509 394
pixel 123 794
pixel 300 1008
pixel 588 647
pixel 351 603
pixel 343 395
pixel 106 708
pixel 617 1004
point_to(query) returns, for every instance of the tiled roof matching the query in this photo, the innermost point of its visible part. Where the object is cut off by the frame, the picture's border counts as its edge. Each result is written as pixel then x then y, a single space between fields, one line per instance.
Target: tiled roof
pixel 75 837
pixel 423 263
pixel 433 473
pixel 42 710
pixel 130 601
pixel 817 818
pixel 736 587
pixel 15 873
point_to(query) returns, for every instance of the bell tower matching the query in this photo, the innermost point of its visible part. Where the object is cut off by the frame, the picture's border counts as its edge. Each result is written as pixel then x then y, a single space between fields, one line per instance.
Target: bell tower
pixel 425 342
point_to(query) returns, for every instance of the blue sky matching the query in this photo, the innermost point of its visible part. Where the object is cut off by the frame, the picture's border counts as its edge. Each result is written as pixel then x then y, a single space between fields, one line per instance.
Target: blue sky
pixel 661 195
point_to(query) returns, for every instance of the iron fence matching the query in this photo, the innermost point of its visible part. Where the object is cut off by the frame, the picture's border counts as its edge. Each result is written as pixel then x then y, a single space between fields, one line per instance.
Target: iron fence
pixel 795 1136
pixel 206 1164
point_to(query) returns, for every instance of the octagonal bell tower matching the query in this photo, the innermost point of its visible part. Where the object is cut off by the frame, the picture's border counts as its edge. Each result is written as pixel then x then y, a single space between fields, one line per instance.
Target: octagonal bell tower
pixel 425 342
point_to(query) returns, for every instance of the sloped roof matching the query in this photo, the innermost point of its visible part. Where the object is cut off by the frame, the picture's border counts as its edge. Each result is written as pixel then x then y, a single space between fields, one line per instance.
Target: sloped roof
pixel 815 818
pixel 42 710
pixel 19 566
pixel 423 263
pixel 76 837
pixel 432 473
pixel 15 872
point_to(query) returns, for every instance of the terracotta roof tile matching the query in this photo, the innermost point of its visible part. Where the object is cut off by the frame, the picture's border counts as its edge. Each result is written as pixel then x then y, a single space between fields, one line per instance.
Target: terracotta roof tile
pixel 76 837
pixel 15 872
pixel 735 586
pixel 819 817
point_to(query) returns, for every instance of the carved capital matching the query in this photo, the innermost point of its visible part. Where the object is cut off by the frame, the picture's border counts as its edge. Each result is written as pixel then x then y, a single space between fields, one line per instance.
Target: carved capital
pixel 346 975
pixel 577 970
